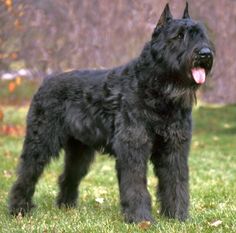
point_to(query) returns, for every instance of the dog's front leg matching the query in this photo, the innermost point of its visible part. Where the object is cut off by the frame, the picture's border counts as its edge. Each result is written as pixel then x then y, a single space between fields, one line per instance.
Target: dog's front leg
pixel 171 167
pixel 131 166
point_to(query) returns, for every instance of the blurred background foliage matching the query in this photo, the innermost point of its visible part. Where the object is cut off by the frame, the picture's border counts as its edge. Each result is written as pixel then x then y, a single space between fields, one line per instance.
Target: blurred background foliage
pixel 38 38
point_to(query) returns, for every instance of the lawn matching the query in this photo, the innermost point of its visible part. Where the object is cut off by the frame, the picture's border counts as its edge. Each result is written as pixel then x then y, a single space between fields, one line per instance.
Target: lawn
pixel 213 187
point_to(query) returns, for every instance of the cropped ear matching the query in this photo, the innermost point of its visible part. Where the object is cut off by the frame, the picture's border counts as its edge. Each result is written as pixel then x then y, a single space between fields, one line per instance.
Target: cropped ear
pixel 166 16
pixel 186 15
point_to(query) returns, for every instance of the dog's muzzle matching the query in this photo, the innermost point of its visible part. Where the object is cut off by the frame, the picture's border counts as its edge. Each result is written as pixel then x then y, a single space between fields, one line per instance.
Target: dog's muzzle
pixel 202 64
pixel 204 59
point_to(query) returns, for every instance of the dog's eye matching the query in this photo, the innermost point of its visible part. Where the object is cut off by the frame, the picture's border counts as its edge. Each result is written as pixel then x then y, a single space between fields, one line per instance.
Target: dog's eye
pixel 180 35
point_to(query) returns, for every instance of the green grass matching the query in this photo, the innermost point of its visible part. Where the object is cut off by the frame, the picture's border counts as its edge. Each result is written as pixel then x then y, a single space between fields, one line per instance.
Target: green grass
pixel 213 186
pixel 14 115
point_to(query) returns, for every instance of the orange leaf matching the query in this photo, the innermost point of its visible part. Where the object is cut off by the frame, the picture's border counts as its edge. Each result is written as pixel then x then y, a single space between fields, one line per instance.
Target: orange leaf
pixel 8 3
pixel 11 86
pixel 13 56
pixel 1 115
pixel 144 225
pixel 12 130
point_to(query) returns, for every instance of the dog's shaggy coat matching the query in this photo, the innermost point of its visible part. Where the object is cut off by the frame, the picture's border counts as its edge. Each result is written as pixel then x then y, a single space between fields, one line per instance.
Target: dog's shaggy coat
pixel 137 112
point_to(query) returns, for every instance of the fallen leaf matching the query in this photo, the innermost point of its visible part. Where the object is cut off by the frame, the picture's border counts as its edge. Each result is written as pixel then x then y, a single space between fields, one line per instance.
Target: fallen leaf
pixel 196 143
pixel 144 225
pixel 7 174
pixel 216 223
pixel 215 138
pixel 99 200
pixel 227 126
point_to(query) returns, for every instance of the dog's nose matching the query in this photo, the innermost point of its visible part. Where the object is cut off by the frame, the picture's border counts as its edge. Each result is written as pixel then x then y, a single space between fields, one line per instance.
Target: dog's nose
pixel 204 58
pixel 205 53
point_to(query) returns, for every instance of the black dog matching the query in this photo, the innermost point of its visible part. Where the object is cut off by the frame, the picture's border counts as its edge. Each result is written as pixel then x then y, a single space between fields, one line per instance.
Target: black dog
pixel 136 112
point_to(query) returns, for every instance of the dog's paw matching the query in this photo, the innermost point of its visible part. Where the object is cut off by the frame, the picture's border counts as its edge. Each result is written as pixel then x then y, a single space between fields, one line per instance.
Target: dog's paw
pixel 181 216
pixel 67 204
pixel 20 209
pixel 139 217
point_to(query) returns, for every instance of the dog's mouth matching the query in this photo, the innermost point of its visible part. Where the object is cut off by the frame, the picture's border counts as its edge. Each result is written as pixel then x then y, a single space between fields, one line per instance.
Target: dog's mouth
pixel 202 65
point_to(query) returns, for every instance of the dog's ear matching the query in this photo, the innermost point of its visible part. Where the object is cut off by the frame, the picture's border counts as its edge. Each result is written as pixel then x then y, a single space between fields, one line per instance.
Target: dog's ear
pixel 186 14
pixel 166 16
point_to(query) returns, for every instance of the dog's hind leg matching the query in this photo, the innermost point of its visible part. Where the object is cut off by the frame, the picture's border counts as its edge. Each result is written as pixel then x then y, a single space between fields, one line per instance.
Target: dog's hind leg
pixel 78 157
pixel 34 157
pixel 40 144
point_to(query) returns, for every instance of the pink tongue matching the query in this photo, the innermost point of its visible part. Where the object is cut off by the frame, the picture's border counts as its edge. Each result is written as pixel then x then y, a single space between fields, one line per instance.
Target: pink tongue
pixel 199 75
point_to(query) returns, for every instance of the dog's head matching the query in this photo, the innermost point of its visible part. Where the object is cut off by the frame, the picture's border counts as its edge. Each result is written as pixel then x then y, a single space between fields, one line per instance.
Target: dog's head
pixel 183 48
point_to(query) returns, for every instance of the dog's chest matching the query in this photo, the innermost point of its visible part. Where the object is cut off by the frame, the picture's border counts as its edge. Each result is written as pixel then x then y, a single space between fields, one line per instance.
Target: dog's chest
pixel 172 126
